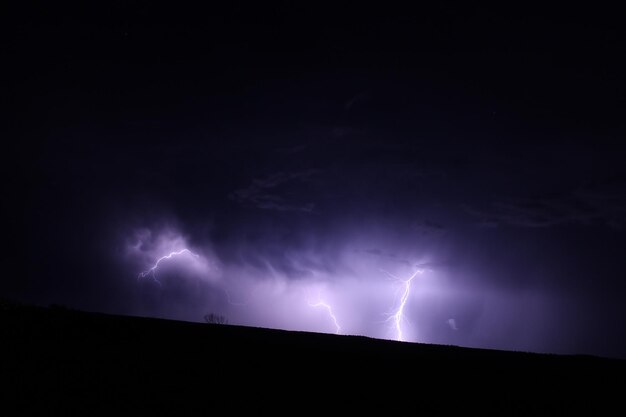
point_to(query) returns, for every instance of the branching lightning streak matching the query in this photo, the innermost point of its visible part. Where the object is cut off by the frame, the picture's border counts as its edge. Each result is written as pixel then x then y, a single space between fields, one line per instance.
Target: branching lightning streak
pixel 152 271
pixel 398 316
pixel 329 309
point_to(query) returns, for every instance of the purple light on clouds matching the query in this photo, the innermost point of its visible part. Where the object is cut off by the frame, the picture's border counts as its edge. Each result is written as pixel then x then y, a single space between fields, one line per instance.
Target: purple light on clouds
pixel 193 282
pixel 342 288
pixel 168 249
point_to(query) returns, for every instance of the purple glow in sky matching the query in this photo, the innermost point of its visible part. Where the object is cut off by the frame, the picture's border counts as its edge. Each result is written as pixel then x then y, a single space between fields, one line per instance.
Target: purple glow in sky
pixel 268 296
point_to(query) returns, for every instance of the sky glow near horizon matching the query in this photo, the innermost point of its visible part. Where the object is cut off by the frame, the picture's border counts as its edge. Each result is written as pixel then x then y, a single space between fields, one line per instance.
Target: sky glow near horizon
pixel 354 293
pixel 346 301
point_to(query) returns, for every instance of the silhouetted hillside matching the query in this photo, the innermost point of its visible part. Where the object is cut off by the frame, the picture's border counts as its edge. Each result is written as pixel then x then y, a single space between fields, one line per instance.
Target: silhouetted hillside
pixel 58 360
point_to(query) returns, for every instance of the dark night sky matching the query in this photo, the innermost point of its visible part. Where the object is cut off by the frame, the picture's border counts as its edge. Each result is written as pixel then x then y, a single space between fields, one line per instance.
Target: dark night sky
pixel 303 148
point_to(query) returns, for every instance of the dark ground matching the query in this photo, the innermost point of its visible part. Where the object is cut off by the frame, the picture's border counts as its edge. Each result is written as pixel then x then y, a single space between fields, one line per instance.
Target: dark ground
pixel 59 361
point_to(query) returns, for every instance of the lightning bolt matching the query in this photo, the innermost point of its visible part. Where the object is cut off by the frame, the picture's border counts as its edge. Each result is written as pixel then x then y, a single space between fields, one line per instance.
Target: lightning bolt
pixel 398 317
pixel 152 271
pixel 329 309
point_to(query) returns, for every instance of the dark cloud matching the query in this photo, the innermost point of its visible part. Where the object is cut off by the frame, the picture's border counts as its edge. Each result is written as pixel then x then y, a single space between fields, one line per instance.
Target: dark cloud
pixel 603 202
pixel 428 228
pixel 280 191
pixel 356 99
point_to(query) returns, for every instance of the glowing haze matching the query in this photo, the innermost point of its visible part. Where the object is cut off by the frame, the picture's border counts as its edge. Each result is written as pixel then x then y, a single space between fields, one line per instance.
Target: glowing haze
pixel 347 288
pixel 351 296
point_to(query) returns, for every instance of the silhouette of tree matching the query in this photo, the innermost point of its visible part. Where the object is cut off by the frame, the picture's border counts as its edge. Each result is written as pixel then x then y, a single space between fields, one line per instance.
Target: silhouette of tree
pixel 215 318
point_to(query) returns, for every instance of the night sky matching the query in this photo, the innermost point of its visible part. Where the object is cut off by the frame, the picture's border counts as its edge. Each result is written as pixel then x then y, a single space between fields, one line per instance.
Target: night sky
pixel 312 158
